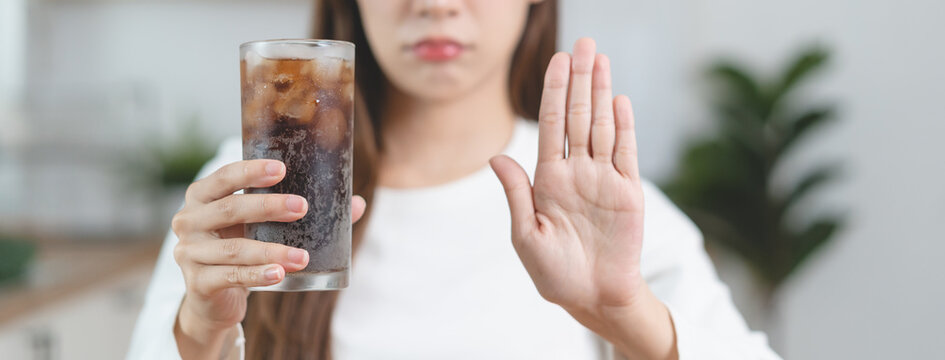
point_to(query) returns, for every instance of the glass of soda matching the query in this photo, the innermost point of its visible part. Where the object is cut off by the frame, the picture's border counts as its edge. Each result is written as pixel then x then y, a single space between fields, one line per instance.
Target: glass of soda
pixel 298 98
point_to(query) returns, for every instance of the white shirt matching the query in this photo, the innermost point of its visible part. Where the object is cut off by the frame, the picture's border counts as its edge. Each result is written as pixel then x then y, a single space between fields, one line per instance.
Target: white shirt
pixel 437 278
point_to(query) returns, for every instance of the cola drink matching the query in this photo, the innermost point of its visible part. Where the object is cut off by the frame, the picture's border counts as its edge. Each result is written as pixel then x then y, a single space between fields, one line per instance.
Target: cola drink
pixel 297 103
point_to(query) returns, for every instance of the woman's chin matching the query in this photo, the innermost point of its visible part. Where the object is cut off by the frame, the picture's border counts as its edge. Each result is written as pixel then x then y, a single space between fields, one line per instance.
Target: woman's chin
pixel 436 91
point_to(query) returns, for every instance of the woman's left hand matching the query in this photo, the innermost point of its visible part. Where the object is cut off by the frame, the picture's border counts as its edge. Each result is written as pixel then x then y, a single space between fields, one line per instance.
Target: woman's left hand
pixel 579 229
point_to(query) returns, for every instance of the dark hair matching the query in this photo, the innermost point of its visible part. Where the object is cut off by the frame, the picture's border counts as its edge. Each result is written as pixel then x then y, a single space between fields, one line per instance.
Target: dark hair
pixel 296 325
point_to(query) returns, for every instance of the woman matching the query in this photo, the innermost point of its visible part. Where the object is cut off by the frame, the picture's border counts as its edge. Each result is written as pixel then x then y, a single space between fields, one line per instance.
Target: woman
pixel 444 86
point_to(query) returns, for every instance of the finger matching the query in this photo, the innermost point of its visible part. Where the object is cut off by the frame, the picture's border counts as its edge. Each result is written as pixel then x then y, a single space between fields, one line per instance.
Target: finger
pixel 625 152
pixel 551 115
pixel 212 278
pixel 358 205
pixel 235 176
pixel 579 98
pixel 249 208
pixel 518 191
pixel 602 125
pixel 242 251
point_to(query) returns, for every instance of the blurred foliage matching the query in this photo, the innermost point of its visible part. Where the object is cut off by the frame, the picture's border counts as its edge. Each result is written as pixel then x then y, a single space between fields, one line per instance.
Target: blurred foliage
pixel 175 163
pixel 724 180
pixel 15 255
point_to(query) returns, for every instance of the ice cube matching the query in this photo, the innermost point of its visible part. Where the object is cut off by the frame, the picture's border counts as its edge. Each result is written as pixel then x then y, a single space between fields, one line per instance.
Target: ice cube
pixel 347 72
pixel 331 128
pixel 253 59
pixel 282 82
pixel 328 70
pixel 339 52
pixel 256 109
pixel 288 51
pixel 297 105
pixel 347 93
pixel 260 71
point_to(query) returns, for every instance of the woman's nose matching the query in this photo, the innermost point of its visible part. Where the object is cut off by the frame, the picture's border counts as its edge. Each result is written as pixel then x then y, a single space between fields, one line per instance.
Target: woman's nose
pixel 436 9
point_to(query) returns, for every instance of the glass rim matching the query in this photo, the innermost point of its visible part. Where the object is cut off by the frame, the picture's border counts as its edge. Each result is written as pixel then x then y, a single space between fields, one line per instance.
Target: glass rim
pixel 315 42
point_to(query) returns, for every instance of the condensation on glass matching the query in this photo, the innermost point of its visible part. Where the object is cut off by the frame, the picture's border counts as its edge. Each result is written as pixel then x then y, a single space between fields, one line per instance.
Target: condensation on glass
pixel 297 98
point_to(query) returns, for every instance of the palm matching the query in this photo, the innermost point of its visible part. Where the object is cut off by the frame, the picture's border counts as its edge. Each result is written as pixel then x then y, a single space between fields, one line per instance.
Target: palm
pixel 578 230
pixel 587 220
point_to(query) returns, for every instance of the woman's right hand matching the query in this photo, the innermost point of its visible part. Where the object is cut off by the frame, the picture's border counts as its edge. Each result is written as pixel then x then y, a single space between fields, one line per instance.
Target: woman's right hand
pixel 218 263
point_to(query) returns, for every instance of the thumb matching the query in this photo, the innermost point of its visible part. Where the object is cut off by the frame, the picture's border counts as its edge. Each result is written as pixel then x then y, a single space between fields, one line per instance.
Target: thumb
pixel 357 208
pixel 518 190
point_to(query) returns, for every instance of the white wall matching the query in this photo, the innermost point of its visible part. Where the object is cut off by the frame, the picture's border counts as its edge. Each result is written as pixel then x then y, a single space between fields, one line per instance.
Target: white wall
pixel 105 76
pixel 649 45
pixel 12 40
pixel 875 294
pixel 185 55
pixel 12 63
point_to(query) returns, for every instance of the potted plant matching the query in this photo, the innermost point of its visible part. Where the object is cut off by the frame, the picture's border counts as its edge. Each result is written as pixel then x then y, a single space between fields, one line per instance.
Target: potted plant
pixel 15 257
pixel 725 181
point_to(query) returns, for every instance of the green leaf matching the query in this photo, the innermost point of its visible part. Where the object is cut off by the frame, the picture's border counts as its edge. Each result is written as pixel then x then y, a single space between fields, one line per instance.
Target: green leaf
pixel 800 69
pixel 168 163
pixel 741 126
pixel 816 235
pixel 15 255
pixel 796 129
pixel 810 182
pixel 742 91
pixel 721 230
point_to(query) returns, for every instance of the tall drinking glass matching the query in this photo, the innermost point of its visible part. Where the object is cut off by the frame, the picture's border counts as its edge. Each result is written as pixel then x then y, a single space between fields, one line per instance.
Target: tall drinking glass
pixel 298 98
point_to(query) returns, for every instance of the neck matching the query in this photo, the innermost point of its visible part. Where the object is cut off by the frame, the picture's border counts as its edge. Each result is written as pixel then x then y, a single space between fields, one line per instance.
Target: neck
pixel 430 142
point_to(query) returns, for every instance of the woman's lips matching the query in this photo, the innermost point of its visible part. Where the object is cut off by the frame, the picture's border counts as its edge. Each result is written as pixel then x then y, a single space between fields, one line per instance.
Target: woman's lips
pixel 438 49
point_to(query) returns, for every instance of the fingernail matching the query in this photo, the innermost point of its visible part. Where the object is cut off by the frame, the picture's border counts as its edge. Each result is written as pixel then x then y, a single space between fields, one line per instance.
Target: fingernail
pixel 272 273
pixel 273 168
pixel 297 256
pixel 295 203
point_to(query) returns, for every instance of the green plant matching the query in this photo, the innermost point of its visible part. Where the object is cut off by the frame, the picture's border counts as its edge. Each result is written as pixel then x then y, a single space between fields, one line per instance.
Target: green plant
pixel 15 256
pixel 725 180
pixel 175 163
pixel 159 168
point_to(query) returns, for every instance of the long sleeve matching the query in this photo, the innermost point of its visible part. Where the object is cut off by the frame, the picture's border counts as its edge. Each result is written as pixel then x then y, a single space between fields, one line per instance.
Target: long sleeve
pixel 679 272
pixel 153 336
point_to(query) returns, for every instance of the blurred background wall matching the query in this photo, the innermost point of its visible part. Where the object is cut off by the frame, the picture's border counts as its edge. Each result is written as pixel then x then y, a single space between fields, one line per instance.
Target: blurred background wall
pixel 85 80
